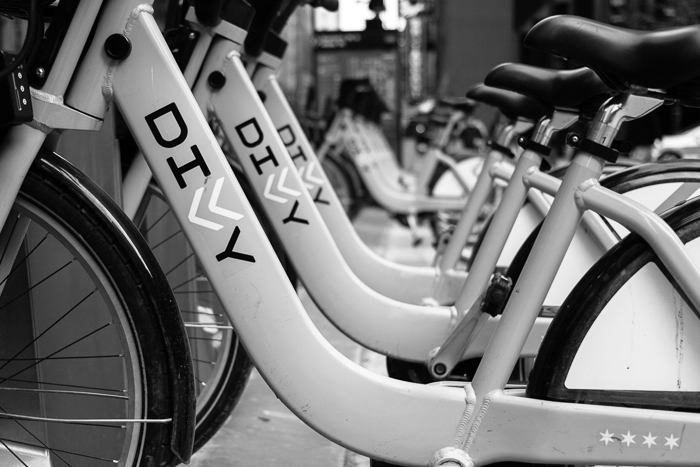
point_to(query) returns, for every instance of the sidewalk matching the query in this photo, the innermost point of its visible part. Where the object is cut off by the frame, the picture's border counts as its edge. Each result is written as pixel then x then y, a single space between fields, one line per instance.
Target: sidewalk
pixel 261 428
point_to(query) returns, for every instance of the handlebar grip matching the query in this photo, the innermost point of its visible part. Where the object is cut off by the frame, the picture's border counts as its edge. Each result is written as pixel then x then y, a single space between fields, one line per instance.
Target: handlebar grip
pixel 266 12
pixel 209 12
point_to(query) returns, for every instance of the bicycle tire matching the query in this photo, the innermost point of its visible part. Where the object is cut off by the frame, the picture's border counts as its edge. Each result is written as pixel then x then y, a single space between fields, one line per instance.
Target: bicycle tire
pixel 98 332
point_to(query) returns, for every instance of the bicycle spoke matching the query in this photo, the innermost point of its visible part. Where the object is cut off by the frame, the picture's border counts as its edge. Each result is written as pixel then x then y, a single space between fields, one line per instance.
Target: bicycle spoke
pixel 43 445
pixel 57 351
pixel 47 383
pixel 47 329
pixel 92 422
pixel 165 240
pixel 148 229
pixel 7 245
pixel 79 357
pixel 63 451
pixel 37 284
pixel 25 258
pixel 191 280
pixel 73 393
pixel 167 273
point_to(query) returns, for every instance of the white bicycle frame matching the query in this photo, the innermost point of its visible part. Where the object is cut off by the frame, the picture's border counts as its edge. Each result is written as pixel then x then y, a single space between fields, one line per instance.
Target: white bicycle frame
pixel 287 125
pixel 370 318
pixel 387 326
pixel 398 422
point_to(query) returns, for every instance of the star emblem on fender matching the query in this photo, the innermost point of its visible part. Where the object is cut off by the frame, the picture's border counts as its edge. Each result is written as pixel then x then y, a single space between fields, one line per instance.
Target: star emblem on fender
pixel 607 437
pixel 649 440
pixel 671 442
pixel 628 438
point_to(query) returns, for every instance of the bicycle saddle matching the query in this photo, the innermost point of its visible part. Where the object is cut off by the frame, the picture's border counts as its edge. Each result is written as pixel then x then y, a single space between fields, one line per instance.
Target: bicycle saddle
pixel 666 60
pixel 513 105
pixel 580 90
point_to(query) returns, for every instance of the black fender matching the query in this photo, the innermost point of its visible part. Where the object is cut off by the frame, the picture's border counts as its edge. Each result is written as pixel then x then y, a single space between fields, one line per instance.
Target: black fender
pixel 104 210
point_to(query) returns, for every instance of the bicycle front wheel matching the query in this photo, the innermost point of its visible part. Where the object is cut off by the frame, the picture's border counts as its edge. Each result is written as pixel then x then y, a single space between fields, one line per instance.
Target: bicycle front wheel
pixel 84 372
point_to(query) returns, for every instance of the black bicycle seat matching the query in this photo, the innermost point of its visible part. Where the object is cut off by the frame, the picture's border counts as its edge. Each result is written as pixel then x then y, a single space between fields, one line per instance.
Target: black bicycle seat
pixel 512 104
pixel 579 90
pixel 667 60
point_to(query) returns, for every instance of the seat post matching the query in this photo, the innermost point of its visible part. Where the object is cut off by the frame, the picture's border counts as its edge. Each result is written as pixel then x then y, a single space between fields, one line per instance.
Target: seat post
pixel 551 245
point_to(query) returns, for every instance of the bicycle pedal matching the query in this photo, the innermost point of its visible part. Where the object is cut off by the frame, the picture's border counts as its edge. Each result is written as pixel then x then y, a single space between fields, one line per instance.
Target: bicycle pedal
pixel 496 295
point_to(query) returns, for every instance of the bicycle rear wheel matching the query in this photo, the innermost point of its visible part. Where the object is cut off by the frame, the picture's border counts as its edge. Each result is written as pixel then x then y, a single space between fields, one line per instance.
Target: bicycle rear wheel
pixel 628 319
pixel 84 353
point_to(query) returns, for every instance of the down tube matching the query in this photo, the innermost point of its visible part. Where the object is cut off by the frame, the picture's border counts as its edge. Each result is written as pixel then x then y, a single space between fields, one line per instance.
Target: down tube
pixel 394 421
pixel 410 284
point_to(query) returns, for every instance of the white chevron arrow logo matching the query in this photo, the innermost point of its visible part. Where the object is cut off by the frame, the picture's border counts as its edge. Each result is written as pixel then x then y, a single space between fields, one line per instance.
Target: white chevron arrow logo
pixel 280 187
pixel 309 170
pixel 308 186
pixel 196 201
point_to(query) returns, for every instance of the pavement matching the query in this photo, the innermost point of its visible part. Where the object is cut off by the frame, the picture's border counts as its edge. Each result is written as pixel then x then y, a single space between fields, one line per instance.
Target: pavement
pixel 261 428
